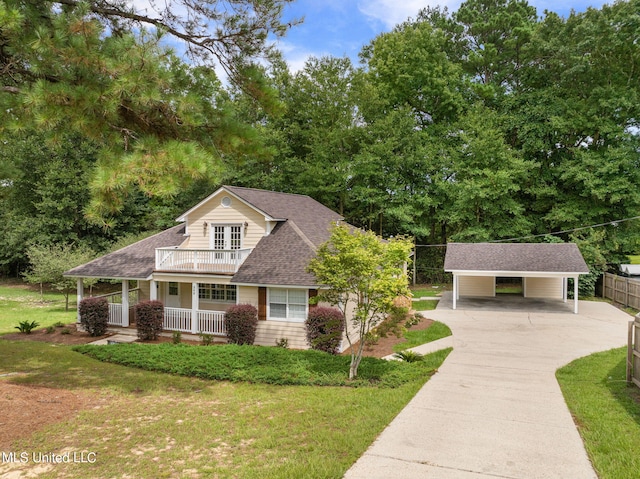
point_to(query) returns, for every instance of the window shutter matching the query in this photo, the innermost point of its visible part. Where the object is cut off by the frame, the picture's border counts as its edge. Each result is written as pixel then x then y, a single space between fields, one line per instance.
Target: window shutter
pixel 312 294
pixel 262 303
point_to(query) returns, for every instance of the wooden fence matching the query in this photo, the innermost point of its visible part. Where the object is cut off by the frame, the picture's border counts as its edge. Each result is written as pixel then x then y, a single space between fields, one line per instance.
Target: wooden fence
pixel 622 290
pixel 633 352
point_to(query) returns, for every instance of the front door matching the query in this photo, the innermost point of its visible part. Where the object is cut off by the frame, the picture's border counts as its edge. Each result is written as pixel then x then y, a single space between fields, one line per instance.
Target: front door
pixel 172 295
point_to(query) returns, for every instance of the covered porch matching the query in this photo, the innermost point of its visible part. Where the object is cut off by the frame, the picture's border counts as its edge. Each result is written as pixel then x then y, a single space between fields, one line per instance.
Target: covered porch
pixel 192 320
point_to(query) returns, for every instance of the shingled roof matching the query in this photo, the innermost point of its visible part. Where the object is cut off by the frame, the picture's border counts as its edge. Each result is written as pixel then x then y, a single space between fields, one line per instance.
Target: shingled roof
pixel 135 261
pixel 515 257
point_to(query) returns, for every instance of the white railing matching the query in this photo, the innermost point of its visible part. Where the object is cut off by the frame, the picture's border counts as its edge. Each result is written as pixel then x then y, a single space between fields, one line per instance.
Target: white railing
pixel 209 322
pixel 202 260
pixel 115 314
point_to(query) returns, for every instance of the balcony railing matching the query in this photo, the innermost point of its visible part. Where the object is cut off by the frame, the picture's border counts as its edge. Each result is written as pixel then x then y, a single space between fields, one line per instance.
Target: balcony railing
pixel 200 260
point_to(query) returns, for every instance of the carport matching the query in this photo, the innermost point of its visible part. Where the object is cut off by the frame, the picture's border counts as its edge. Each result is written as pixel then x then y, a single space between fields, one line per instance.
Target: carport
pixel 544 268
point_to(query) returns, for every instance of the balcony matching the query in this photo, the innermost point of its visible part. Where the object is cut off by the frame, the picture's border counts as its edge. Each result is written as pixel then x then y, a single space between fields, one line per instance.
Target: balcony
pixel 185 260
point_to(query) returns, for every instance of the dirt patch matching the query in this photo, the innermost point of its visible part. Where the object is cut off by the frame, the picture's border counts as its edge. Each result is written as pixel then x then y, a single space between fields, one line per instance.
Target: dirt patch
pixel 26 409
pixel 68 334
pixel 384 346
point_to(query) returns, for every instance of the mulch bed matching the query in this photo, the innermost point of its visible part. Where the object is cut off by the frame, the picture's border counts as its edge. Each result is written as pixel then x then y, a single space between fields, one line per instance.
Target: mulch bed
pixel 64 335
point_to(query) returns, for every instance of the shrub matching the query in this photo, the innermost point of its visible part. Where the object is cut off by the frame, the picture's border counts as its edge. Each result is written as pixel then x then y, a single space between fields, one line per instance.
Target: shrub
pixel 241 322
pixel 207 339
pixel 59 324
pixel 149 319
pixel 408 356
pixel 176 337
pixel 27 326
pixel 282 343
pixel 324 329
pixel 65 331
pixel 50 329
pixel 94 315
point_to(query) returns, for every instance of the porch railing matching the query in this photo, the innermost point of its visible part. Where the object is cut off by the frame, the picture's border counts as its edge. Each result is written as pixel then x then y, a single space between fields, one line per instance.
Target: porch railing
pixel 208 322
pixel 115 306
pixel 201 260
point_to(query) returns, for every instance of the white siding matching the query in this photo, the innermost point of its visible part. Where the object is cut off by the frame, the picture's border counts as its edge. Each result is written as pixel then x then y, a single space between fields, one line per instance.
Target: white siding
pixel 480 286
pixel 543 288
pixel 214 213
pixel 248 295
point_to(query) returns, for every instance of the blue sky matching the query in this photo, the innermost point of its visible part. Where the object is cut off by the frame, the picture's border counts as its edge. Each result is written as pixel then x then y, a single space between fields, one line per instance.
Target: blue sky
pixel 343 27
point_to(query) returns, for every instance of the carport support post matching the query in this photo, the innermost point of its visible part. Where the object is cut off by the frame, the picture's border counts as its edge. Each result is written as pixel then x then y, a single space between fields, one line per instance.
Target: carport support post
pixel 575 295
pixel 455 290
pixel 565 287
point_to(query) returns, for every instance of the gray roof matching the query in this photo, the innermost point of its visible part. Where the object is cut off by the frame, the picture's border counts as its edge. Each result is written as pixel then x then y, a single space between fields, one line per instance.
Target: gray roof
pixel 279 259
pixel 135 261
pixel 516 257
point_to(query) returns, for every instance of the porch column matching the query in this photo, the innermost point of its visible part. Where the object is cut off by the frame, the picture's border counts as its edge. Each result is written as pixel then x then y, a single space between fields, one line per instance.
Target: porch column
pixel 575 295
pixel 153 290
pixel 80 293
pixel 195 305
pixel 125 303
pixel 455 290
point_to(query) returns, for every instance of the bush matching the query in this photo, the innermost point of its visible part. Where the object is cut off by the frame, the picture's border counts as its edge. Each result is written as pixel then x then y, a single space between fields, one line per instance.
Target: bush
pixel 324 329
pixel 176 337
pixel 149 319
pixel 241 322
pixel 94 315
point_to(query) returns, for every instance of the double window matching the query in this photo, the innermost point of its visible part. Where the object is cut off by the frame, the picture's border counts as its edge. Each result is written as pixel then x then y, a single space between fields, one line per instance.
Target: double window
pixel 288 304
pixel 218 292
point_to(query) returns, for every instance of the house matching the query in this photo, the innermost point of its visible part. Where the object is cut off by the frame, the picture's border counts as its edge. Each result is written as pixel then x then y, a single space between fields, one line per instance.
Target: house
pixel 237 246
pixel 543 267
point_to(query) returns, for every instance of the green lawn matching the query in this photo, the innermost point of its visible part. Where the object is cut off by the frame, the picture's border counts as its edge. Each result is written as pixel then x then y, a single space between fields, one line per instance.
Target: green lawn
pixel 425 305
pixel 151 425
pixel 436 331
pixel 606 410
pixel 21 303
pixel 421 291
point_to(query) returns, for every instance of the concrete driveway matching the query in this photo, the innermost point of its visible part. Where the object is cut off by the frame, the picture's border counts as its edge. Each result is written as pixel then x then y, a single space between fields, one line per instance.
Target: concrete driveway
pixel 494 409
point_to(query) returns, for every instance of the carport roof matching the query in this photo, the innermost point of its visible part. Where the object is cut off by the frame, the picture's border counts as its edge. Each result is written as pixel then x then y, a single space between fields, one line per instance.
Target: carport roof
pixel 515 257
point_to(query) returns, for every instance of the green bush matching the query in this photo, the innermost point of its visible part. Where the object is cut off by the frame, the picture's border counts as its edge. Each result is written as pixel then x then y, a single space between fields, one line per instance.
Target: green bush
pixel 408 356
pixel 241 322
pixel 50 329
pixel 149 319
pixel 27 326
pixel 176 337
pixel 207 339
pixel 94 315
pixel 324 329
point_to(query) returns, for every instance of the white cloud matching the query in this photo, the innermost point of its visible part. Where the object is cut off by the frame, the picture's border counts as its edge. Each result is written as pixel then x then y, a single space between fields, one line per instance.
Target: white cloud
pixel 392 12
pixel 297 55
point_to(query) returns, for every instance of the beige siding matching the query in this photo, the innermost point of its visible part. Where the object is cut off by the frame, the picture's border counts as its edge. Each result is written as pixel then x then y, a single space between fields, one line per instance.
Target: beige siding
pixel 543 288
pixel 213 212
pixel 269 332
pixel 476 286
pixel 143 294
pixel 248 295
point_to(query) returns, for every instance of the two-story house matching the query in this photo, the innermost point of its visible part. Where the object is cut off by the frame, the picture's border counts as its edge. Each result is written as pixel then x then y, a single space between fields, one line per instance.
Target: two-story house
pixel 238 246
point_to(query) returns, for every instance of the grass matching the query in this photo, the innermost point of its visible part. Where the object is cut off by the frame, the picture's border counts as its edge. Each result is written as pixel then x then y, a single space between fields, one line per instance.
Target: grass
pixel 426 305
pixel 258 364
pixel 148 424
pixel 427 291
pixel 436 331
pixel 24 304
pixel 606 410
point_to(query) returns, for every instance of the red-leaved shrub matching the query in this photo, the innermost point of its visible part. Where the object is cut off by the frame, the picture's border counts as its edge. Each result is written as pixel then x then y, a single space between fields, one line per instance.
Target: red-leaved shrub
pixel 94 315
pixel 241 322
pixel 324 329
pixel 149 319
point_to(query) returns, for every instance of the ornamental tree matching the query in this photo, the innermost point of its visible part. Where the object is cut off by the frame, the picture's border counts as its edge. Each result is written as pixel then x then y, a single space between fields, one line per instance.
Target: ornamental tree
pixel 362 274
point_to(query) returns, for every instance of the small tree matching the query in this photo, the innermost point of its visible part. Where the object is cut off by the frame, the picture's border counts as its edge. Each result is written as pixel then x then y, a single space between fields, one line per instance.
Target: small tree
pixel 363 274
pixel 241 322
pixel 324 329
pixel 149 319
pixel 48 263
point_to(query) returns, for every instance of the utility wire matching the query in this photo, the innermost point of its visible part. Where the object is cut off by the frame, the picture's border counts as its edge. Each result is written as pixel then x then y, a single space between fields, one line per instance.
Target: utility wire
pixel 612 223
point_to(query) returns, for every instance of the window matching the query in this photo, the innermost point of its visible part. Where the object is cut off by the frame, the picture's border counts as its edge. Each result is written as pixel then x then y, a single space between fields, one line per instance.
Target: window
pixel 218 292
pixel 173 289
pixel 288 304
pixel 226 237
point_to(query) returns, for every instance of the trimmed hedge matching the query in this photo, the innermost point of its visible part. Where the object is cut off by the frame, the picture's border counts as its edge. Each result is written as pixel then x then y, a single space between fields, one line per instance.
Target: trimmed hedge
pixel 149 319
pixel 241 322
pixel 94 315
pixel 324 329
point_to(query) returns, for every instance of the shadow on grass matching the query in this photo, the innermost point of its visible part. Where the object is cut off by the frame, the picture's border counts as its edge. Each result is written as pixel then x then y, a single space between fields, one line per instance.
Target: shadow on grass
pixel 627 395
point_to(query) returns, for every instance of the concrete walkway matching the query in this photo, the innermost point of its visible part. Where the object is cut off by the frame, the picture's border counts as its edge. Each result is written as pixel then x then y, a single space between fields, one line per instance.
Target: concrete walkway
pixel 494 409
